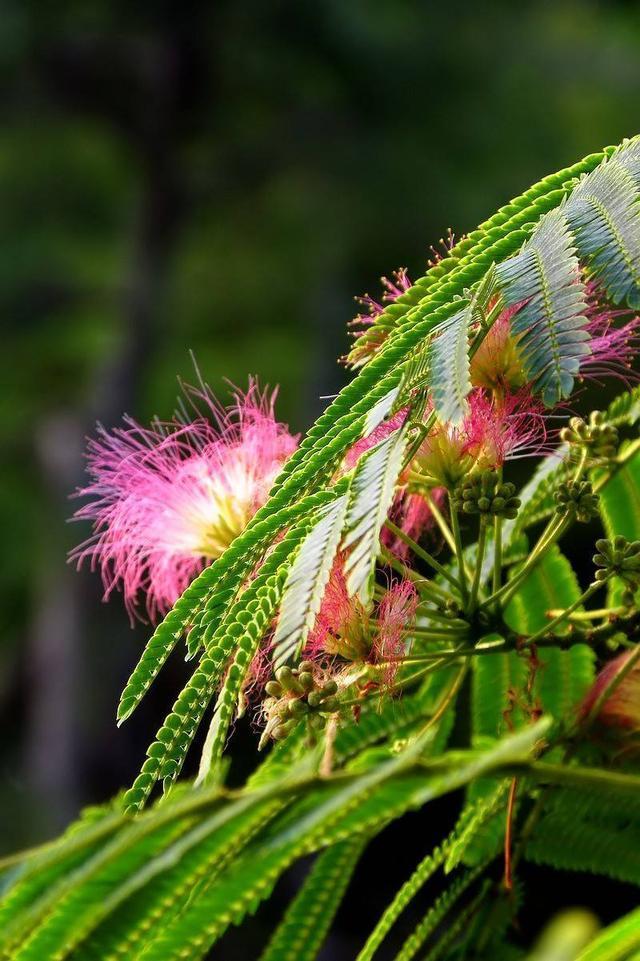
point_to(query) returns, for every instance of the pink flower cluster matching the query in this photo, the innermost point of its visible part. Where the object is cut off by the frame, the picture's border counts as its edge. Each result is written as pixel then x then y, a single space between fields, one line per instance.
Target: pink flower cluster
pixel 166 499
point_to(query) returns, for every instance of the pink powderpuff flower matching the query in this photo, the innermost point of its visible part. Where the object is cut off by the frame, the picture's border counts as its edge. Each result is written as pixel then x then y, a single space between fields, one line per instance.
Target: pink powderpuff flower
pixel 621 710
pixel 167 499
pixel 513 426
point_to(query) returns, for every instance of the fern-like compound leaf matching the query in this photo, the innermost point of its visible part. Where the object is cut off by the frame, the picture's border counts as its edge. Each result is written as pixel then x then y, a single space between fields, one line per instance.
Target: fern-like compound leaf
pixel 411 887
pixel 449 375
pixel 544 280
pixel 604 216
pixel 164 639
pixel 306 583
pixel 302 931
pixel 435 916
pixel 381 410
pixel 594 831
pixel 372 492
pixel 249 617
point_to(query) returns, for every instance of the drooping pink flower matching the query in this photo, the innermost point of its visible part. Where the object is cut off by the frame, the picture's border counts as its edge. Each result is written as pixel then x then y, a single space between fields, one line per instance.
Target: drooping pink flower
pixel 621 709
pixel 166 499
pixel 506 428
pixel 342 624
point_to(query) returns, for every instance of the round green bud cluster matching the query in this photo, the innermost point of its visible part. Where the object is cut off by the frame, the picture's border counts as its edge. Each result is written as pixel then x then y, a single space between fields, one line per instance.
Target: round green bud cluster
pixel 599 437
pixel 620 558
pixel 578 499
pixel 296 695
pixel 485 493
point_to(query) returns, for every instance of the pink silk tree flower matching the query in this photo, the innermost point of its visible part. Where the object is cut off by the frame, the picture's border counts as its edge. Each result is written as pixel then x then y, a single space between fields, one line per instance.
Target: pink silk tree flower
pixel 613 345
pixel 412 514
pixel 168 499
pixel 494 430
pixel 362 323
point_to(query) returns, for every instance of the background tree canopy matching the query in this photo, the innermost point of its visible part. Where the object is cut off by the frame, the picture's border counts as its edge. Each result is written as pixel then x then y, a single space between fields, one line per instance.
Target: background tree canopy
pixel 223 178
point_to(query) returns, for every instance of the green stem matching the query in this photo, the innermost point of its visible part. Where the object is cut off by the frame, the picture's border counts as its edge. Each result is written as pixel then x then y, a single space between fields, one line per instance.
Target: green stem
pixel 455 529
pixel 433 615
pixel 593 614
pixel 581 465
pixel 583 777
pixel 482 541
pixel 439 518
pixel 422 554
pixel 497 554
pixel 554 529
pixel 448 697
pixel 563 615
pixel 429 589
pixel 452 653
pixel 399 685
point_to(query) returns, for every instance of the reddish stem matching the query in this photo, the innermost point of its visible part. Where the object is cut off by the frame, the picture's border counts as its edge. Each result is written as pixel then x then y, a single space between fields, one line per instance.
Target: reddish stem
pixel 508 834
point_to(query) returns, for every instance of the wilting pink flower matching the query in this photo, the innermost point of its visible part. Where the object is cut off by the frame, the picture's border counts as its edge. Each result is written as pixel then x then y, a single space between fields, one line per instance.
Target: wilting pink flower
pixel 363 322
pixel 621 709
pixel 260 671
pixel 345 627
pixel 412 514
pixel 166 499
pixel 396 613
pixel 342 624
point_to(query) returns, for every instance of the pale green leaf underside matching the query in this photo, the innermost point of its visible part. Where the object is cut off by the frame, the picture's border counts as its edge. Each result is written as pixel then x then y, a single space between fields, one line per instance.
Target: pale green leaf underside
pixel 550 323
pixel 306 582
pixel 372 492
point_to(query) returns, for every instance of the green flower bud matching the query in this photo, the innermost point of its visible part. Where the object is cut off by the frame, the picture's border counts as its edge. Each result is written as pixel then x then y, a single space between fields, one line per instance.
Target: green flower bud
pixel 618 557
pixel 578 500
pixel 484 493
pixel 596 436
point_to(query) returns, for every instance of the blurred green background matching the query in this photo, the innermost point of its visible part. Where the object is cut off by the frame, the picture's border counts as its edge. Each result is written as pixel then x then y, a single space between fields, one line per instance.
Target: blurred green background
pixel 224 177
